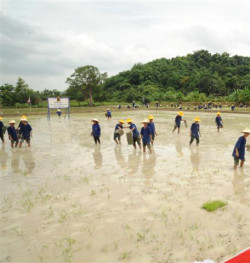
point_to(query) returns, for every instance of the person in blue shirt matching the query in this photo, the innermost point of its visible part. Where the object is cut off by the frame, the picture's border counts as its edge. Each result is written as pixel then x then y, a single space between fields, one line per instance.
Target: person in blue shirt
pixel 59 113
pixel 239 149
pixel 118 131
pixel 136 134
pixel 109 114
pixel 152 126
pixel 12 134
pixel 21 125
pixel 218 121
pixel 195 131
pixel 178 119
pixel 25 132
pixel 146 136
pixel 1 130
pixel 96 131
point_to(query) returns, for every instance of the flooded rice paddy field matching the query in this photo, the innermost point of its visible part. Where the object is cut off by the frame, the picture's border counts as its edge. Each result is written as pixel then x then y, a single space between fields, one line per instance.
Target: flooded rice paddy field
pixel 67 200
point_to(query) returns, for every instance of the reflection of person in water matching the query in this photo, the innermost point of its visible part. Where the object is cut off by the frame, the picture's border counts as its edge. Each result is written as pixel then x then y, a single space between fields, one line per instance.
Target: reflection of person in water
pixel 3 158
pixel 238 185
pixel 148 165
pixel 28 160
pixel 97 155
pixel 119 157
pixel 134 160
pixel 15 160
pixel 195 159
pixel 178 147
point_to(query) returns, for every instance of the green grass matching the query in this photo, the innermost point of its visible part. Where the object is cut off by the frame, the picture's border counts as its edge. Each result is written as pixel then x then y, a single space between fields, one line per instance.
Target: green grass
pixel 213 205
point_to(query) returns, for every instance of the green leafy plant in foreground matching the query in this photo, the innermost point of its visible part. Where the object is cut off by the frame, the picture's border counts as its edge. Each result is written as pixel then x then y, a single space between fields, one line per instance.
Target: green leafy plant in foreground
pixel 213 205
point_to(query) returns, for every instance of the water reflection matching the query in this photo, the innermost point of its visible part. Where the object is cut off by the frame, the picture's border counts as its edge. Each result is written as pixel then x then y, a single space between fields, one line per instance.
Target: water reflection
pixel 3 158
pixel 178 148
pixel 195 158
pixel 134 160
pixel 239 185
pixel 15 162
pixel 97 155
pixel 119 156
pixel 148 165
pixel 28 160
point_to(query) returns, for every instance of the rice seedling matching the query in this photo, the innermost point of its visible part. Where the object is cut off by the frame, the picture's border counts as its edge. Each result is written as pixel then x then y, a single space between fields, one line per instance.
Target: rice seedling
pixel 124 255
pixel 84 180
pixel 213 205
pixel 67 245
pixel 7 204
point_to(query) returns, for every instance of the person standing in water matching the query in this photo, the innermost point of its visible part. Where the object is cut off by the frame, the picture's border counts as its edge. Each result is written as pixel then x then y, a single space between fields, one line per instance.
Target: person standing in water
pixel 58 112
pixel 25 132
pixel 152 127
pixel 12 134
pixel 136 134
pixel 218 121
pixel 1 130
pixel 146 136
pixel 239 149
pixel 96 131
pixel 195 131
pixel 178 120
pixel 118 131
pixel 109 114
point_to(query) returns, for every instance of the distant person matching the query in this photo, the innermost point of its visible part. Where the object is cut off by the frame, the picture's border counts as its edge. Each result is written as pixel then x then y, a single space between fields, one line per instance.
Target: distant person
pixel 118 131
pixel 152 127
pixel 133 104
pixel 195 131
pixel 109 114
pixel 12 134
pixel 218 121
pixel 96 131
pixel 178 119
pixel 119 107
pixel 1 130
pixel 136 134
pixel 146 136
pixel 58 112
pixel 232 107
pixel 25 132
pixel 239 149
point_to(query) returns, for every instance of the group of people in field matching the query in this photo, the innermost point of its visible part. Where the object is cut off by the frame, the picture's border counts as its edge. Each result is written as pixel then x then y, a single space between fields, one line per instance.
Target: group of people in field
pixel 148 132
pixel 16 135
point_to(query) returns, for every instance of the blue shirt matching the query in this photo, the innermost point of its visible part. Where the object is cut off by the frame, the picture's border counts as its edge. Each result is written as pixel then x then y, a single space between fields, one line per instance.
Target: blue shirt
pixel 135 131
pixel 178 120
pixel 108 113
pixel 117 126
pixel 151 125
pixel 218 120
pixel 12 132
pixel 1 127
pixel 145 132
pixel 96 129
pixel 195 129
pixel 240 145
pixel 25 130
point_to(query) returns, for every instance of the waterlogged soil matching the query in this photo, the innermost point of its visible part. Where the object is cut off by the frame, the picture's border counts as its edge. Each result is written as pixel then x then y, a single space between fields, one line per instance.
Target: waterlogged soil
pixel 67 200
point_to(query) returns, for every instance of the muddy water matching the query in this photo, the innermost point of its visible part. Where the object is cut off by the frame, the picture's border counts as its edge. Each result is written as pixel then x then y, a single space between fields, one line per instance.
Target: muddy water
pixel 67 200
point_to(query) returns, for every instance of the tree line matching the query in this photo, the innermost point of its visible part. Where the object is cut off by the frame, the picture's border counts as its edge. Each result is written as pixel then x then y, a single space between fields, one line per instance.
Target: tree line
pixel 196 77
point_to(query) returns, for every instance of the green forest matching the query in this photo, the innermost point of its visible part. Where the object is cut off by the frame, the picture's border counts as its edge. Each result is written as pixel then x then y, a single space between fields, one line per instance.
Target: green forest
pixel 196 77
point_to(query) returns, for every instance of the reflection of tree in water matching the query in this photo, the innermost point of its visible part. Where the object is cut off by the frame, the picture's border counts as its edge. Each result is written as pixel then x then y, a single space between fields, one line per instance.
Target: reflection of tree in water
pixel 3 158
pixel 148 165
pixel 134 160
pixel 178 147
pixel 239 186
pixel 195 158
pixel 97 155
pixel 119 156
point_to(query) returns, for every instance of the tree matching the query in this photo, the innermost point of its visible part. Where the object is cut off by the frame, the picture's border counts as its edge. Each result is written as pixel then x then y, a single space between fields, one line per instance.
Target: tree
pixel 22 91
pixel 7 95
pixel 87 80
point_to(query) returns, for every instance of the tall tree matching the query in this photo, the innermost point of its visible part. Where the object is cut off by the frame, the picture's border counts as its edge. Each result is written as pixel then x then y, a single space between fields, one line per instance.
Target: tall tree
pixel 88 80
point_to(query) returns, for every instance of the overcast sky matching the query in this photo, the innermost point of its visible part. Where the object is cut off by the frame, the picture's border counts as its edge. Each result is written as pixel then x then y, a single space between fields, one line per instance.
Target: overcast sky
pixel 44 41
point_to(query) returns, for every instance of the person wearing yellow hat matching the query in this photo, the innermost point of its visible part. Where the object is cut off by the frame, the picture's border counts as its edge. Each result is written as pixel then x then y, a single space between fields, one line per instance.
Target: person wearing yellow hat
pixel 146 135
pixel 195 131
pixel 12 134
pixel 239 149
pixel 118 131
pixel 218 121
pixel 96 131
pixel 136 134
pixel 25 132
pixel 1 130
pixel 178 119
pixel 152 127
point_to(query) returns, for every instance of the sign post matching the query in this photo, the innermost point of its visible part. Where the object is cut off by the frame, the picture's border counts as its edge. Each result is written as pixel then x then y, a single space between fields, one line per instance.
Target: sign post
pixel 58 103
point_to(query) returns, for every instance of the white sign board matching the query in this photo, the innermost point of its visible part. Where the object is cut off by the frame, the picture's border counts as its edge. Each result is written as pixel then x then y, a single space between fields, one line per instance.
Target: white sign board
pixel 58 103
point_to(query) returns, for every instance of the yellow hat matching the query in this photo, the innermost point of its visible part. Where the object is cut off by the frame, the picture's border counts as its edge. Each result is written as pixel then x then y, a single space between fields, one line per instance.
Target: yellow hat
pixel 121 121
pixel 197 119
pixel 180 113
pixel 12 121
pixel 218 113
pixel 24 119
pixel 246 130
pixel 1 118
pixel 145 121
pixel 150 117
pixel 95 120
pixel 129 120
